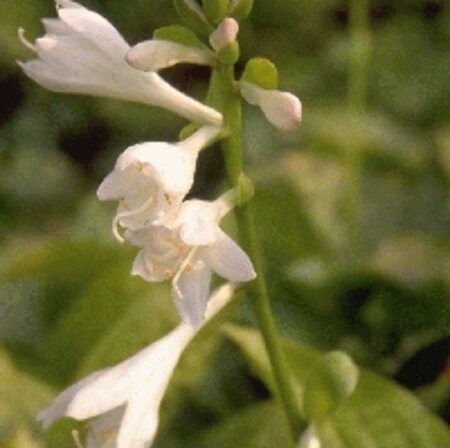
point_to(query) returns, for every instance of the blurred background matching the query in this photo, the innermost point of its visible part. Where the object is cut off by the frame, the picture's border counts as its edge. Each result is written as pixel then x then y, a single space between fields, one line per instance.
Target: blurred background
pixel 352 212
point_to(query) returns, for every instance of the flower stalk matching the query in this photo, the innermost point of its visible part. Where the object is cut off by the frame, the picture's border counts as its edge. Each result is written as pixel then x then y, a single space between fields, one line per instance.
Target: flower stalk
pixel 357 97
pixel 224 90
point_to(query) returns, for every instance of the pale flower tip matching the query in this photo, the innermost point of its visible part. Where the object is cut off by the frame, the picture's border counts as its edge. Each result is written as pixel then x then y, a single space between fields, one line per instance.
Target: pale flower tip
pixel 45 419
pixel 282 109
pixel 225 34
pixel 137 57
pixel 292 108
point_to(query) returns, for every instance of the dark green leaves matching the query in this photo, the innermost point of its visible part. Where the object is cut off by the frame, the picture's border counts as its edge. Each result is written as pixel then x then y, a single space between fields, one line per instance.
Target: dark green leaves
pixel 378 414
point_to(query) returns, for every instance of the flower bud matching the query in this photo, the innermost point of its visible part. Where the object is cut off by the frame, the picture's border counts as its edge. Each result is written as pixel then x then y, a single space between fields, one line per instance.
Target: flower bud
pixel 225 34
pixel 331 381
pixel 154 55
pixel 282 109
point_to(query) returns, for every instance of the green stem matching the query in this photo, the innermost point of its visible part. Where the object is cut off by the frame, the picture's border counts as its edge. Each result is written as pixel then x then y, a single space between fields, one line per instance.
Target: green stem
pixel 357 97
pixel 359 57
pixel 223 82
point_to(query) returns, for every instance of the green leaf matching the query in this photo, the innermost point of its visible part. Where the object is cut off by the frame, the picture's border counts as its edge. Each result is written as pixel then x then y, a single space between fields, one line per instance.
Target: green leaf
pixel 240 9
pixel 331 381
pixel 133 328
pixel 180 35
pixel 22 396
pixel 62 268
pixel 91 315
pixel 191 13
pixel 378 414
pixel 23 438
pixel 262 72
pixel 258 426
pixel 215 10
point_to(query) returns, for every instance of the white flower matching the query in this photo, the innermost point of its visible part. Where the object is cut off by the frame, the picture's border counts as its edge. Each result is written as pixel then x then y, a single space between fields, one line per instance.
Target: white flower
pixel 83 53
pixel 309 439
pixel 151 179
pixel 126 398
pixel 282 109
pixel 187 251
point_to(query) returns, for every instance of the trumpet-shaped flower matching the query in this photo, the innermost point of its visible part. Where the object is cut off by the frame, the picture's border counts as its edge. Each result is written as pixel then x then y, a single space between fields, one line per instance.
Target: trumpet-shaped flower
pixel 282 109
pixel 151 179
pixel 187 251
pixel 125 399
pixel 83 53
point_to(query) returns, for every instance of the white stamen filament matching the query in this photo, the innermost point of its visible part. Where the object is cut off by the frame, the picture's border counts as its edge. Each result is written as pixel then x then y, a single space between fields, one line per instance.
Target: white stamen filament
pixel 119 216
pixel 182 267
pixel 24 40
pixel 76 439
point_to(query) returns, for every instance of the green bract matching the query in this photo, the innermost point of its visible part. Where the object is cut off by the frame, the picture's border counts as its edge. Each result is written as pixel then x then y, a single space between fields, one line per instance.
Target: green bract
pixel 180 35
pixel 215 10
pixel 191 13
pixel 262 72
pixel 229 54
pixel 240 9
pixel 330 381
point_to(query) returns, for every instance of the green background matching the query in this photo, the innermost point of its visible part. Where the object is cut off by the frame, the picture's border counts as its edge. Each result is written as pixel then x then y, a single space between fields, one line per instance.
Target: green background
pixel 352 214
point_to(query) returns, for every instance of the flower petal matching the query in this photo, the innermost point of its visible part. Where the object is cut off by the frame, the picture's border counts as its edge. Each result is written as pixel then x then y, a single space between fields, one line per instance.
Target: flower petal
pixel 104 429
pixel 198 222
pixel 282 109
pixel 94 28
pixel 309 439
pixel 191 292
pixel 98 393
pixel 228 260
pixel 170 166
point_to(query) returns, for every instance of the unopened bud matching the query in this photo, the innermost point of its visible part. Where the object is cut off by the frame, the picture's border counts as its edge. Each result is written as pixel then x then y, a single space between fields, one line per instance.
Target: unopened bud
pixel 154 55
pixel 225 34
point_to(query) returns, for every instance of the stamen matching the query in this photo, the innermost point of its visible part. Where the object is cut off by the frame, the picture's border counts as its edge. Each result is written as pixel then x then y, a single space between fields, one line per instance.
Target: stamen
pixel 182 267
pixel 23 39
pixel 76 438
pixel 119 216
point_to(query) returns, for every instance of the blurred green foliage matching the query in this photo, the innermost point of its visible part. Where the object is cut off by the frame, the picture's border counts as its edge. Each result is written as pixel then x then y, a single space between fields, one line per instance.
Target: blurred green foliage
pixel 68 305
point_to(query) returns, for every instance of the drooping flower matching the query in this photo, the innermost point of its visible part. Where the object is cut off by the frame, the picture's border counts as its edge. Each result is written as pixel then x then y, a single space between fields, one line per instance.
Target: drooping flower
pixel 83 53
pixel 282 109
pixel 150 180
pixel 125 399
pixel 187 251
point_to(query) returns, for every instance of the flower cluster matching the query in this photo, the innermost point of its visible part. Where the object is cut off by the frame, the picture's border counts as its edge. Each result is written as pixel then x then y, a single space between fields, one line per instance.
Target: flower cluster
pixel 177 239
